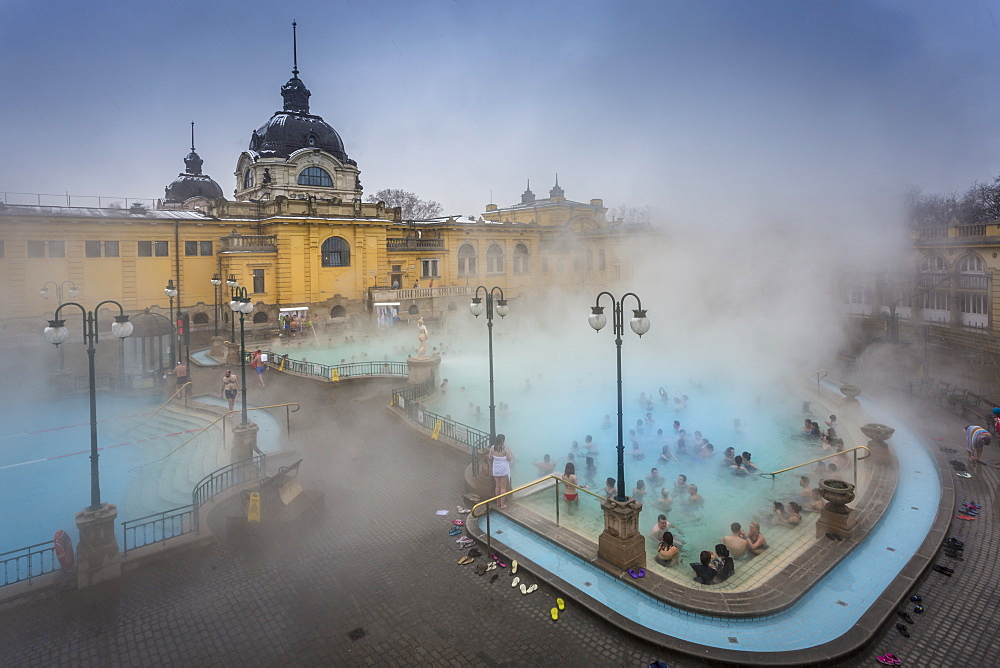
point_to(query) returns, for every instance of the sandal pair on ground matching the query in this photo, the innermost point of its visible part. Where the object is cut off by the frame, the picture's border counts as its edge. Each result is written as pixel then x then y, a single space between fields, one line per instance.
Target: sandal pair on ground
pixel 554 612
pixel 525 589
pixel 889 660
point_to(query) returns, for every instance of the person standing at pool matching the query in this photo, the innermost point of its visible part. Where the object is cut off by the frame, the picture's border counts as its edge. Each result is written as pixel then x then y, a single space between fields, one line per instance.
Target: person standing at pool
pixel 654 478
pixel 181 371
pixel 681 484
pixel 230 386
pixel 501 468
pixel 694 498
pixel 259 366
pixel 569 475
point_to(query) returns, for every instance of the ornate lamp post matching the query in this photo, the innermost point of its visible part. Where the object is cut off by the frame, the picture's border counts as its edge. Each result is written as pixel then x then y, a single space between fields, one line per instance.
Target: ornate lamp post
pixel 501 310
pixel 639 325
pixel 171 292
pixel 241 304
pixel 56 333
pixel 73 292
pixel 216 282
pixel 231 282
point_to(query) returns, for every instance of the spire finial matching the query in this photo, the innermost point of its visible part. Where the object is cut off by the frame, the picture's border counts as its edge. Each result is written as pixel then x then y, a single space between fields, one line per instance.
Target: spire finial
pixel 192 136
pixel 295 51
pixel 557 178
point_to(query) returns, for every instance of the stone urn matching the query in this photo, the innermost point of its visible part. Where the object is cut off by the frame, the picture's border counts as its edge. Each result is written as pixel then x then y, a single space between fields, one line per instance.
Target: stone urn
pixel 878 433
pixel 850 391
pixel 837 494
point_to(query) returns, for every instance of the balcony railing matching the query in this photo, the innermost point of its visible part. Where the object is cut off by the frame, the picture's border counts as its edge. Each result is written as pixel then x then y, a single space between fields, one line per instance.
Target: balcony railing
pixel 249 243
pixel 389 295
pixel 413 244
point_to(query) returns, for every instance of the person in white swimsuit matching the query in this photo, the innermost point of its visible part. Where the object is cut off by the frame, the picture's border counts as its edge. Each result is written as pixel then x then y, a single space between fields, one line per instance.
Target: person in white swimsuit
pixel 501 468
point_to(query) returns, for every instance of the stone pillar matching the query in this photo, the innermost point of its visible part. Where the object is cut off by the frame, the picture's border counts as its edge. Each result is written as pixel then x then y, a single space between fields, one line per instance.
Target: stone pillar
pixel 621 544
pixel 244 441
pixel 218 350
pixel 98 558
pixel 423 368
pixel 233 353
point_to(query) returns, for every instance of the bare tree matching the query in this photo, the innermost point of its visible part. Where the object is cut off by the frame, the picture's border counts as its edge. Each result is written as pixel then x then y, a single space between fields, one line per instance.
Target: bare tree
pixel 631 214
pixel 413 207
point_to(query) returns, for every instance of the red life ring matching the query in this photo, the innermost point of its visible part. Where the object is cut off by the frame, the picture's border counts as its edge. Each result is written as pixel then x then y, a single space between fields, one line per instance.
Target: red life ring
pixel 64 549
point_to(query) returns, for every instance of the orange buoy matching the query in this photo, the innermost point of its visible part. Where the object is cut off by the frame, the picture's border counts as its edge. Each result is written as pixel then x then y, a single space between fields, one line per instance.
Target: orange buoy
pixel 64 549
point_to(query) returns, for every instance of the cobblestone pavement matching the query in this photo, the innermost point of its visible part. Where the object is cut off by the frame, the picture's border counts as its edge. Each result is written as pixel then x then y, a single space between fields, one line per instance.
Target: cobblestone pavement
pixel 376 583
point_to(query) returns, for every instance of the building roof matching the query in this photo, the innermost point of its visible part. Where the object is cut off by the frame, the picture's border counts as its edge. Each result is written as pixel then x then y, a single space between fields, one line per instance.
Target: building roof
pixel 35 211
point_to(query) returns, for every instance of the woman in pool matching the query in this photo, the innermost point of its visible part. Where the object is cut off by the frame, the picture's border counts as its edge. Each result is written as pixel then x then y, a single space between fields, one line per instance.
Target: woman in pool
pixel 666 551
pixel 749 465
pixel 609 488
pixel 723 563
pixel 590 470
pixel 639 493
pixel 737 467
pixel 569 475
pixel 793 516
pixel 756 543
pixel 778 513
pixel 501 468
pixel 728 457
pixel 665 455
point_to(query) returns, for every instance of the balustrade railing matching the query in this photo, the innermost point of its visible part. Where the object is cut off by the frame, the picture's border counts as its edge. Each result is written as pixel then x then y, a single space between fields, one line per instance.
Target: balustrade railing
pixel 27 562
pixel 219 481
pixel 159 527
pixel 335 372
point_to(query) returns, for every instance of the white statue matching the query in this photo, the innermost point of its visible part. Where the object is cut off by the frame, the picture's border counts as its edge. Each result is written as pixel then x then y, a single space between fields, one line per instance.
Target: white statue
pixel 422 336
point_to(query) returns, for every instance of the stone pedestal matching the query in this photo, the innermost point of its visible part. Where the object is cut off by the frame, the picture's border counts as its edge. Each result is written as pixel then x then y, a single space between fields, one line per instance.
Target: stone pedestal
pixel 244 441
pixel 232 353
pixel 420 369
pixel 841 524
pixel 218 350
pixel 98 558
pixel 836 517
pixel 621 544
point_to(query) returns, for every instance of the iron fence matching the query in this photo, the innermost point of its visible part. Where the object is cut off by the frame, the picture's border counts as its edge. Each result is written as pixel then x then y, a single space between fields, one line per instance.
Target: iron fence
pixel 159 527
pixel 335 372
pixel 219 481
pixel 28 562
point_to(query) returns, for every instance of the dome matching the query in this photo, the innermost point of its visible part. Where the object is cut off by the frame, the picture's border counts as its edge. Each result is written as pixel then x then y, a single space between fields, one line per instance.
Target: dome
pixel 191 182
pixel 289 131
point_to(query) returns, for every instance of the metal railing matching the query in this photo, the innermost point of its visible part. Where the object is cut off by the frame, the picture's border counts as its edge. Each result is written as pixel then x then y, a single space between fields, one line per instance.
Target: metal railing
pixel 336 372
pixel 236 473
pixel 854 469
pixel 558 479
pixel 820 375
pixel 182 388
pixel 159 527
pixel 28 562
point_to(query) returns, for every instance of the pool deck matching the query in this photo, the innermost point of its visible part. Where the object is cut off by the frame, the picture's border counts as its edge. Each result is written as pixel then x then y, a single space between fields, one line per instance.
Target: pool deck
pixel 386 589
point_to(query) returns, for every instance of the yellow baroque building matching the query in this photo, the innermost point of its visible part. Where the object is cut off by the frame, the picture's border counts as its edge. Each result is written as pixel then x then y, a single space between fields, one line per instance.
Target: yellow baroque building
pixel 298 236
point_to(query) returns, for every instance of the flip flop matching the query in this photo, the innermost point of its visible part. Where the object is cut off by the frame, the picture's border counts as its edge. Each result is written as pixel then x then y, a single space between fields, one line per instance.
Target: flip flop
pixel 895 659
pixel 964 517
pixel 491 566
pixel 513 567
pixel 462 561
pixel 494 578
pixel 513 583
pixel 916 598
pixel 885 660
pixel 905 616
pixel 903 630
pixel 475 553
pixel 632 572
pixel 919 609
pixel 481 570
pixel 454 531
pixel 641 573
pixel 501 564
pixel 524 590
pixel 494 557
pixel 530 589
pixel 554 613
pixel 458 523
pixel 938 568
pixel 954 541
pixel 964 475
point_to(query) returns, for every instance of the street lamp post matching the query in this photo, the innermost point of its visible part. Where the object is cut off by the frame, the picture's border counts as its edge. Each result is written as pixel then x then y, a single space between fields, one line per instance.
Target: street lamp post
pixel 241 304
pixel 216 282
pixel 639 325
pixel 171 292
pixel 501 310
pixel 73 292
pixel 231 282
pixel 56 333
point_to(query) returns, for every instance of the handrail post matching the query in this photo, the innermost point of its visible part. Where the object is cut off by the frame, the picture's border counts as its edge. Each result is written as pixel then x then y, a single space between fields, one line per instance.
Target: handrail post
pixel 489 534
pixel 288 423
pixel 557 502
pixel 855 453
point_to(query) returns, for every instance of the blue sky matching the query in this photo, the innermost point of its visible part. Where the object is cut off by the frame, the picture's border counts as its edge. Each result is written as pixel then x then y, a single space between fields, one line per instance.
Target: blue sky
pixel 708 111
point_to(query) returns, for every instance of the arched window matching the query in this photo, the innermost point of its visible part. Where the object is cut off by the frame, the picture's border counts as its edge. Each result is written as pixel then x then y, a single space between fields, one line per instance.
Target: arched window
pixel 468 260
pixel 336 253
pixel 200 319
pixel 248 179
pixel 338 312
pixel 494 259
pixel 972 264
pixel 414 309
pixel 315 176
pixel 259 317
pixel 522 261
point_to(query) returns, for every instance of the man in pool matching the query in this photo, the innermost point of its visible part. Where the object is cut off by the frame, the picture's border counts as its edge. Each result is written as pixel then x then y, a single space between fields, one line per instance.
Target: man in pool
pixel 736 541
pixel 656 533
pixel 694 499
pixel 654 479
pixel 230 386
pixel 546 466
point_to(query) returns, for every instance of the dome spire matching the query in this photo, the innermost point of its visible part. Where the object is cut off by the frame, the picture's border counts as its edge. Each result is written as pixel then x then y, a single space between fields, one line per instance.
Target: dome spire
pixel 556 190
pixel 295 51
pixel 192 136
pixel 295 93
pixel 193 162
pixel 528 197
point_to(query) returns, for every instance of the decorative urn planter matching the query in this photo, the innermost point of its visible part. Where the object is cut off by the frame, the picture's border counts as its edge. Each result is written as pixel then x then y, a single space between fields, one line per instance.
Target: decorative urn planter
pixel 837 494
pixel 879 433
pixel 850 391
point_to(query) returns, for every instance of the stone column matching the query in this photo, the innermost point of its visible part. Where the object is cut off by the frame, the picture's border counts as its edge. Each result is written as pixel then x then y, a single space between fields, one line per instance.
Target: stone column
pixel 244 441
pixel 233 353
pixel 98 558
pixel 621 544
pixel 423 368
pixel 218 350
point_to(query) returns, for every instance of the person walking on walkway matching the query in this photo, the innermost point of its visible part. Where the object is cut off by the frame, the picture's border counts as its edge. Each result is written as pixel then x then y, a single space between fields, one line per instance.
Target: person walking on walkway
pixel 501 468
pixel 230 387
pixel 258 365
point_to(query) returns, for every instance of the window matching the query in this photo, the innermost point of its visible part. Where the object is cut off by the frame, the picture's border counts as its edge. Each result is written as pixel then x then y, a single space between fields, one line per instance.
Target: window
pixel 110 249
pixel 972 274
pixel 936 300
pixel 429 268
pixel 972 302
pixel 36 249
pixel 258 280
pixel 206 247
pixel 315 176
pixel 336 253
pixel 161 249
pixel 522 261
pixel 194 248
pixel 200 318
pixel 468 262
pixel 248 179
pixel 144 248
pixel 190 248
pixel 494 259
pixel 57 249
pixel 92 248
pixel 259 317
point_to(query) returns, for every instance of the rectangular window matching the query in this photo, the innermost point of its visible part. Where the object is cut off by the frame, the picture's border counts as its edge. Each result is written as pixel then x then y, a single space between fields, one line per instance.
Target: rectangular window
pixel 161 248
pixel 144 249
pixel 57 249
pixel 36 249
pixel 429 268
pixel 258 280
pixel 110 249
pixel 93 248
pixel 936 300
pixel 190 248
pixel 206 247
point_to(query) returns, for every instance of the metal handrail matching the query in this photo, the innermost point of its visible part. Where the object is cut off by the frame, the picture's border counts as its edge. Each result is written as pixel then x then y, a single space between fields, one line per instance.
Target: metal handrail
pixel 33 561
pixel 854 469
pixel 165 523
pixel 182 388
pixel 822 373
pixel 551 476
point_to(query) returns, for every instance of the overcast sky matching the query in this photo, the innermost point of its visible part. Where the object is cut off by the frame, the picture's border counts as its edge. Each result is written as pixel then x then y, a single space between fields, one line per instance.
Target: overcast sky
pixel 727 110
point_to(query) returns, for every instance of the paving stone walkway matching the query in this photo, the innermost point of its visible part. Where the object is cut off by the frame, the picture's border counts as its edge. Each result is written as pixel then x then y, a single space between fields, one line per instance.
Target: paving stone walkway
pixel 376 583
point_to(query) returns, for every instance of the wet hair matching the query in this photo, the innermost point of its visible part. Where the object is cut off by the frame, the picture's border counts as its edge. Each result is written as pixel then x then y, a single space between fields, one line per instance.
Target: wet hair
pixel 640 484
pixel 498 443
pixel 546 458
pixel 610 482
pixel 804 479
pixel 668 539
pixel 738 461
pixel 692 489
pixel 654 470
pixel 833 417
pixel 721 550
pixel 730 451
pixel 735 526
pixel 796 508
pixel 746 456
pixel 570 469
pixel 588 438
pixel 778 505
pixel 683 477
pixel 984 440
pixel 706 557
pixel 661 517
pixel 709 447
